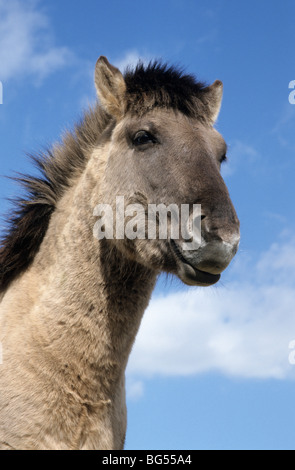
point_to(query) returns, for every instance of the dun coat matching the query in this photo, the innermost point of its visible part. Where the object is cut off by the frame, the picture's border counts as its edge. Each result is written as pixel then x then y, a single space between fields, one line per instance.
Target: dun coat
pixel 71 305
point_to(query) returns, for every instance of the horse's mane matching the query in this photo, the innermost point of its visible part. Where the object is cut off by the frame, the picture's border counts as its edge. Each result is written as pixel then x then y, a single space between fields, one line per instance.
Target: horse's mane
pixel 154 85
pixel 26 226
pixel 158 85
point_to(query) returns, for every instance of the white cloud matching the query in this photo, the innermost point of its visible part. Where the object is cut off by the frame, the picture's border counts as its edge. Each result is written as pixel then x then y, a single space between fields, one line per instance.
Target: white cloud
pixel 135 389
pixel 130 59
pixel 241 330
pixel 26 42
pixel 239 154
pixel 284 127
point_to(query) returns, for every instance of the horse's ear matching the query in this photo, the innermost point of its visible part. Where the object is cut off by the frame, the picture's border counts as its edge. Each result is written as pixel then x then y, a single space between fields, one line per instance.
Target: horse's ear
pixel 110 87
pixel 212 97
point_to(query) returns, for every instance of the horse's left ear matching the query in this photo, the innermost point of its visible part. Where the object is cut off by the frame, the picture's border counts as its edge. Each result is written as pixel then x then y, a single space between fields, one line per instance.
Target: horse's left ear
pixel 110 87
pixel 212 97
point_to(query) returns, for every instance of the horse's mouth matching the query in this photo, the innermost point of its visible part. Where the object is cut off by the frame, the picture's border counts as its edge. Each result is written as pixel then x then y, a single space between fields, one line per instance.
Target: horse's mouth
pixel 189 274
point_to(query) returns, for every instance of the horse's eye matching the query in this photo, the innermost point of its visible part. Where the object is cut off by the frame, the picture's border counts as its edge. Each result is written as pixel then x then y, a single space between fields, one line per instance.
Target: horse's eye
pixel 142 138
pixel 223 158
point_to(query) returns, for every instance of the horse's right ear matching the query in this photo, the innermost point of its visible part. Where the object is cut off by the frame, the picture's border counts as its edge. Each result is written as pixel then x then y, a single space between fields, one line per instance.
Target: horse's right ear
pixel 212 97
pixel 110 87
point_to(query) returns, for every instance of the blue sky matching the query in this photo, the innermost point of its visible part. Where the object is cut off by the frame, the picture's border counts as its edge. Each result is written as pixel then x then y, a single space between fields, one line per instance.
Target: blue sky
pixel 210 367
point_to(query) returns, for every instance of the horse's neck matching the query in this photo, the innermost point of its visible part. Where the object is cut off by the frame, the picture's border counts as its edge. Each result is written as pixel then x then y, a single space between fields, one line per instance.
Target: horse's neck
pixel 85 299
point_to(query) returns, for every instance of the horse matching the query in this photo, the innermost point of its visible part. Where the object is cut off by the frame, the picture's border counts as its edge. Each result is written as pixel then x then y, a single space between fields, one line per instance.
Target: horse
pixel 71 303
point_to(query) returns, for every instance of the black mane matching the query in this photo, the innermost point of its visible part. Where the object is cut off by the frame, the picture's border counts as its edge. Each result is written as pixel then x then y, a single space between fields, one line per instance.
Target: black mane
pixel 158 85
pixel 28 222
